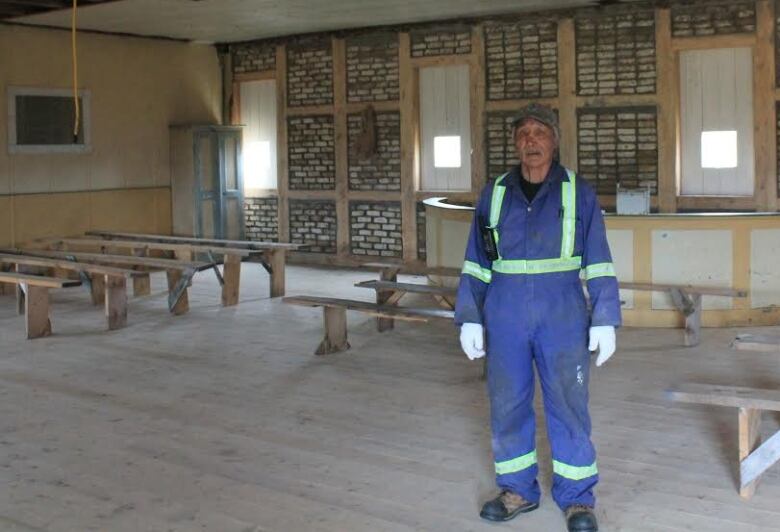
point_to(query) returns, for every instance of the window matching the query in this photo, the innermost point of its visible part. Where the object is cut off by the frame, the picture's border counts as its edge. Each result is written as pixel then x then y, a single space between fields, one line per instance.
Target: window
pixel 716 113
pixel 445 130
pixel 257 104
pixel 41 121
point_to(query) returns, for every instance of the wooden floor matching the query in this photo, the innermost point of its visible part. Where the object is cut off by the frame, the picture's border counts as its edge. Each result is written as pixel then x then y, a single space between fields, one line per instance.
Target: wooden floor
pixel 222 420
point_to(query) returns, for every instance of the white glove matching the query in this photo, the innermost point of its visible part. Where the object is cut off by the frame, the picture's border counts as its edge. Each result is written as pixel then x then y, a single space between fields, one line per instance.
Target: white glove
pixel 472 340
pixel 602 337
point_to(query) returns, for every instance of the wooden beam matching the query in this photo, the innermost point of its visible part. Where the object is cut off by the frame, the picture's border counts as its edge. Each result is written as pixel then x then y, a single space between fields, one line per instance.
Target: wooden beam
pixel 617 100
pixel 734 40
pixel 282 157
pixel 36 280
pixel 440 60
pixel 379 107
pixel 668 91
pixel 706 290
pixel 341 146
pixel 716 203
pixel 477 109
pixel 258 75
pixel 410 145
pixel 515 104
pixel 166 246
pixel 143 237
pixel 306 110
pixel 146 262
pixel 567 90
pixel 398 313
pixel 764 115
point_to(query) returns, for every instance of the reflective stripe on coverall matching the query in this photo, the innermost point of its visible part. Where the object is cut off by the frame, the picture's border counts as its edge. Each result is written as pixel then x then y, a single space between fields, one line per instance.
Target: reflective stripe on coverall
pixel 532 306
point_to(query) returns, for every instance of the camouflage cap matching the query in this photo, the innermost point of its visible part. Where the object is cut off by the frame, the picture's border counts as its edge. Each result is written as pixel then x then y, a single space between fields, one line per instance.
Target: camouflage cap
pixel 540 113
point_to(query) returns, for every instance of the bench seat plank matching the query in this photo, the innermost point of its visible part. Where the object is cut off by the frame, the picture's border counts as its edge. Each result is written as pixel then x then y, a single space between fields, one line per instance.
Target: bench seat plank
pixel 193 240
pixel 735 396
pixel 756 342
pixel 399 313
pixel 409 287
pixel 37 280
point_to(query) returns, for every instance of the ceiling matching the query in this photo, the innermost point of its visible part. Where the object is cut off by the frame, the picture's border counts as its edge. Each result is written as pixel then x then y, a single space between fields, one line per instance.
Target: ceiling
pixel 241 20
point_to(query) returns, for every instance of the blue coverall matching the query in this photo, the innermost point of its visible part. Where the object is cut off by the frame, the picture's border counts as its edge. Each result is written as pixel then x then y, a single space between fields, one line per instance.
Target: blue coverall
pixel 532 306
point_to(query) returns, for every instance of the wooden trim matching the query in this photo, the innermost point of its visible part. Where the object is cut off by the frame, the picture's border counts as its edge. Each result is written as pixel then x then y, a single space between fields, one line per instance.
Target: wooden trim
pixel 282 162
pixel 737 40
pixel 764 126
pixel 379 107
pixel 306 110
pixel 258 75
pixel 440 60
pixel 410 145
pixel 341 145
pixel 477 109
pixel 312 194
pixel 514 105
pixel 720 203
pixel 470 196
pixel 255 193
pixel 374 195
pixel 614 100
pixel 668 90
pixel 567 89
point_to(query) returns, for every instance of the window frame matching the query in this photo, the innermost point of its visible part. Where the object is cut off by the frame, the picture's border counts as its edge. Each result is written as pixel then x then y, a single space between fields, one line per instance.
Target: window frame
pixel 14 148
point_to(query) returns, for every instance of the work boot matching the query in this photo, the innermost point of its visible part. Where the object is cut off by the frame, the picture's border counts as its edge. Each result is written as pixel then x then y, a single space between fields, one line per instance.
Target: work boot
pixel 506 506
pixel 580 518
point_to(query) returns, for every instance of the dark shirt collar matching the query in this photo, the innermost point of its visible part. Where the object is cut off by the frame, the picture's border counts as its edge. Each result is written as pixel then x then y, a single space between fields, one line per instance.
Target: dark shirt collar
pixel 556 174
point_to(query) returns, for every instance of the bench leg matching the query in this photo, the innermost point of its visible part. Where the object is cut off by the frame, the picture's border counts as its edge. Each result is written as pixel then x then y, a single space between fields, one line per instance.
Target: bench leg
pixel 277 260
pixel 116 302
pixel 693 323
pixel 142 285
pixel 21 300
pixel 749 437
pixel 98 289
pixel 183 304
pixel 231 274
pixel 382 298
pixel 36 316
pixel 335 323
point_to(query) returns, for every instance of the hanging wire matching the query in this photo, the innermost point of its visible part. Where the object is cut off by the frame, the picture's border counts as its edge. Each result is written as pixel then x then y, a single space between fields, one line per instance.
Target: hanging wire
pixel 75 75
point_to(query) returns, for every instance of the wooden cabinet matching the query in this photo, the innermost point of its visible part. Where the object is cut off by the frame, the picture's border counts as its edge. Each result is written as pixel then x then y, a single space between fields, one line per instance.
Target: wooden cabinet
pixel 207 191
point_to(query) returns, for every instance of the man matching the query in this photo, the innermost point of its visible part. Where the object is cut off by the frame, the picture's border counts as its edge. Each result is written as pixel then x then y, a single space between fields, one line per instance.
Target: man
pixel 534 229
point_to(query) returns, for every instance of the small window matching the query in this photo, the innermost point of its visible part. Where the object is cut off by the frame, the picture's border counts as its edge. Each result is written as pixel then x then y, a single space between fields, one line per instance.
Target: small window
pixel 719 149
pixel 257 164
pixel 41 121
pixel 446 152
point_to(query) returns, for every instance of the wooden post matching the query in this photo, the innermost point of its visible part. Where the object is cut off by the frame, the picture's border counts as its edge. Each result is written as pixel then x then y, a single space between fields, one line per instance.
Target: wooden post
pixel 477 109
pixel 764 126
pixel 383 296
pixel 36 314
pixel 98 289
pixel 668 90
pixel 282 185
pixel 116 301
pixel 341 146
pixel 277 260
pixel 410 156
pixel 567 99
pixel 749 437
pixel 335 323
pixel 231 274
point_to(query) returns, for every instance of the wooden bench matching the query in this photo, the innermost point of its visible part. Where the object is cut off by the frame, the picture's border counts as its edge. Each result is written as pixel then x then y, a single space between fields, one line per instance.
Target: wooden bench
pixel 272 255
pixel 108 285
pixel 757 342
pixel 335 317
pixel 36 301
pixel 754 459
pixel 179 272
pixel 687 299
pixel 388 272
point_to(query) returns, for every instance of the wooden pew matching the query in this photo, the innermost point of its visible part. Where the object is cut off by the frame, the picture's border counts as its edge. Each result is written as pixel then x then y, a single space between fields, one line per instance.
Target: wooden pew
pixel 335 317
pixel 36 301
pixel 754 457
pixel 273 257
pixel 179 272
pixel 398 290
pixel 687 299
pixel 108 285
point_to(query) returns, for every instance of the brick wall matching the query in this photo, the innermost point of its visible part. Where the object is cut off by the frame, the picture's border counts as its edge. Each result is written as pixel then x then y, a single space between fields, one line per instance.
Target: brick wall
pixel 615 54
pixel 383 170
pixel 313 222
pixel 262 219
pixel 375 228
pixel 521 60
pixel 310 72
pixel 449 40
pixel 618 145
pixel 500 149
pixel 311 150
pixel 372 67
pixel 422 253
pixel 253 57
pixel 713 18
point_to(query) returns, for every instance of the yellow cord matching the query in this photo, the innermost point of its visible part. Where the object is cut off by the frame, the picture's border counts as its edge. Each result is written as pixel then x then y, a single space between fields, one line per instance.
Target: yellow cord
pixel 75 74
